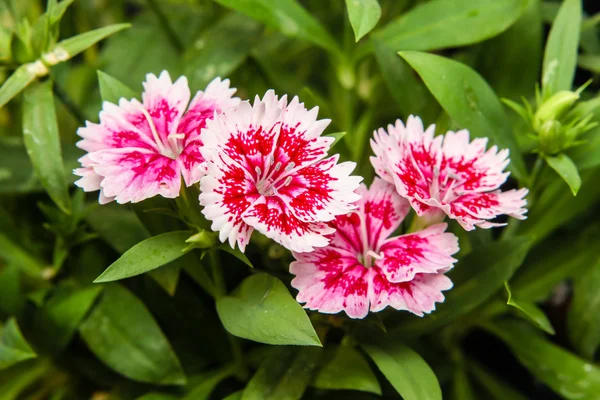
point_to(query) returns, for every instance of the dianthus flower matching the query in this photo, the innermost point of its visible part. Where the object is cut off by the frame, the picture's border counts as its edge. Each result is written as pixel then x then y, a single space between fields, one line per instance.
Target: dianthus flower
pixel 267 171
pixel 362 269
pixel 446 174
pixel 139 150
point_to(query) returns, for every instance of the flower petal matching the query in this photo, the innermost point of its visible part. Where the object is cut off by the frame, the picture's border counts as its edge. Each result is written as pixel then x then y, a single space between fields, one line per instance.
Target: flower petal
pixel 417 296
pixel 132 175
pixel 426 251
pixel 271 217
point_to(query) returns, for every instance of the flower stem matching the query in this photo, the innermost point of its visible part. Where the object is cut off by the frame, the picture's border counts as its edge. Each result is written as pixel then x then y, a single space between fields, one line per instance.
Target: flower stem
pixel 166 27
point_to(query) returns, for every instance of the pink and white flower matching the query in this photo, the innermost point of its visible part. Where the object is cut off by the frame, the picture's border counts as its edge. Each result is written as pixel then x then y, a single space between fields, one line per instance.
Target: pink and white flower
pixel 446 174
pixel 362 269
pixel 139 150
pixel 267 171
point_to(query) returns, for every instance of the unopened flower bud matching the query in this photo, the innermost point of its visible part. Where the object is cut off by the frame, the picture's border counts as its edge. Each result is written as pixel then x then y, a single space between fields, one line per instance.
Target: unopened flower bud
pixel 554 108
pixel 552 137
pixel 202 240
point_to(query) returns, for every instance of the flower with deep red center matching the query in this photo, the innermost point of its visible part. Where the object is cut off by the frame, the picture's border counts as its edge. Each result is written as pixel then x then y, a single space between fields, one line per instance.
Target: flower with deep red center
pixel 266 170
pixel 139 150
pixel 363 269
pixel 446 174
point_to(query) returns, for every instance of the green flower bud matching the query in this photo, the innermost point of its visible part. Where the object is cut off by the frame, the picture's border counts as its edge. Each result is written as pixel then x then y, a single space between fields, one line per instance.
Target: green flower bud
pixel 202 240
pixel 552 137
pixel 554 108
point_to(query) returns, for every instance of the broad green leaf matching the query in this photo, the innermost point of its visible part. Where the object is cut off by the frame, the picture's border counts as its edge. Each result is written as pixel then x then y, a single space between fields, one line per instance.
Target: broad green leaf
pixel 112 89
pixel 560 55
pixel 16 380
pixel 553 262
pixel 121 332
pixel 583 319
pixel 363 15
pixel 287 16
pixel 498 389
pixel 530 311
pixel 208 58
pixel 70 47
pixel 13 347
pixel 441 24
pixel 42 140
pixel 60 317
pixel 147 255
pixel 511 62
pixel 490 266
pixel 337 136
pixel 564 372
pixel 461 385
pixel 283 375
pixel 590 62
pixel 347 370
pixel 19 80
pixel 21 258
pixel 208 382
pixel 468 100
pixel 401 80
pixel 262 309
pixel 405 370
pixel 566 169
pixel 236 253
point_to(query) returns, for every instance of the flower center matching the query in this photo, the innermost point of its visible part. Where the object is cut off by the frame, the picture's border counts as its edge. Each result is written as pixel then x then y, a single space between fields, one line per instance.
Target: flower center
pixel 445 191
pixel 367 259
pixel 174 146
pixel 267 183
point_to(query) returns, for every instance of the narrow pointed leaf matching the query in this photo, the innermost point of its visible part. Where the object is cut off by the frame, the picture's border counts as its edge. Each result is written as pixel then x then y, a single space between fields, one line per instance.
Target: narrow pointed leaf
pixel 42 141
pixel 236 253
pixel 337 136
pixel 530 311
pixel 498 389
pixel 122 333
pixel 69 48
pixel 262 309
pixel 15 84
pixel 13 347
pixel 363 15
pixel 567 170
pixel 440 24
pixel 583 319
pixel 560 56
pixel 469 101
pixel 112 89
pixel 405 370
pixel 20 257
pixel 145 256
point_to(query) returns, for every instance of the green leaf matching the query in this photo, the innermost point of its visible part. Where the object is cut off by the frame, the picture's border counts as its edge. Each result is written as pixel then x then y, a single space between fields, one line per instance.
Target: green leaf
pixel 363 15
pixel 498 389
pixel 590 62
pixel 489 267
pixel 560 55
pixel 12 299
pixel 235 396
pixel 157 396
pixel 337 136
pixel 441 24
pixel 118 226
pixel 208 57
pixel 208 382
pixel 283 375
pixel 468 100
pixel 566 169
pixel 529 310
pixel 42 140
pixel 564 372
pixel 286 16
pixel 262 309
pixel 347 370
pixel 461 386
pixel 70 47
pixel 13 347
pixel 19 257
pixel 122 333
pixel 583 319
pixel 236 253
pixel 401 80
pixel 112 89
pixel 16 380
pixel 405 370
pixel 19 80
pixel 60 317
pixel 147 255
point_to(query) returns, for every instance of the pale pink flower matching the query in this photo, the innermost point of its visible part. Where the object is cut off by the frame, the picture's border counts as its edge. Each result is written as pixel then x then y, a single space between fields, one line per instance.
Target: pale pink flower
pixel 267 171
pixel 362 269
pixel 446 174
pixel 139 150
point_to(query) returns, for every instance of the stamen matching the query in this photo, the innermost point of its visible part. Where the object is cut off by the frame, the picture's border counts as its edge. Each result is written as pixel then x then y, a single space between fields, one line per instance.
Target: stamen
pixel 161 146
pixel 289 167
pixel 375 255
pixel 277 166
pixel 258 171
pixel 288 180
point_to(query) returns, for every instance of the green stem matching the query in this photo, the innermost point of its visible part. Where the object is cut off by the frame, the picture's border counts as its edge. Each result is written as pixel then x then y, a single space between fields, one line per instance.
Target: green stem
pixel 221 290
pixel 166 27
pixel 535 173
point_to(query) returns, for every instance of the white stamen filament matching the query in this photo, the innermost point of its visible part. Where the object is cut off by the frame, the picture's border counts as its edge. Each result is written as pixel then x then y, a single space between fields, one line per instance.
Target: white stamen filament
pixel 167 152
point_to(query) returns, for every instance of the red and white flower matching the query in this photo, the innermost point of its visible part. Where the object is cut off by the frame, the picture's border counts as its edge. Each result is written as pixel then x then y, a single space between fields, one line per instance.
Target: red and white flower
pixel 267 171
pixel 446 174
pixel 364 270
pixel 139 150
